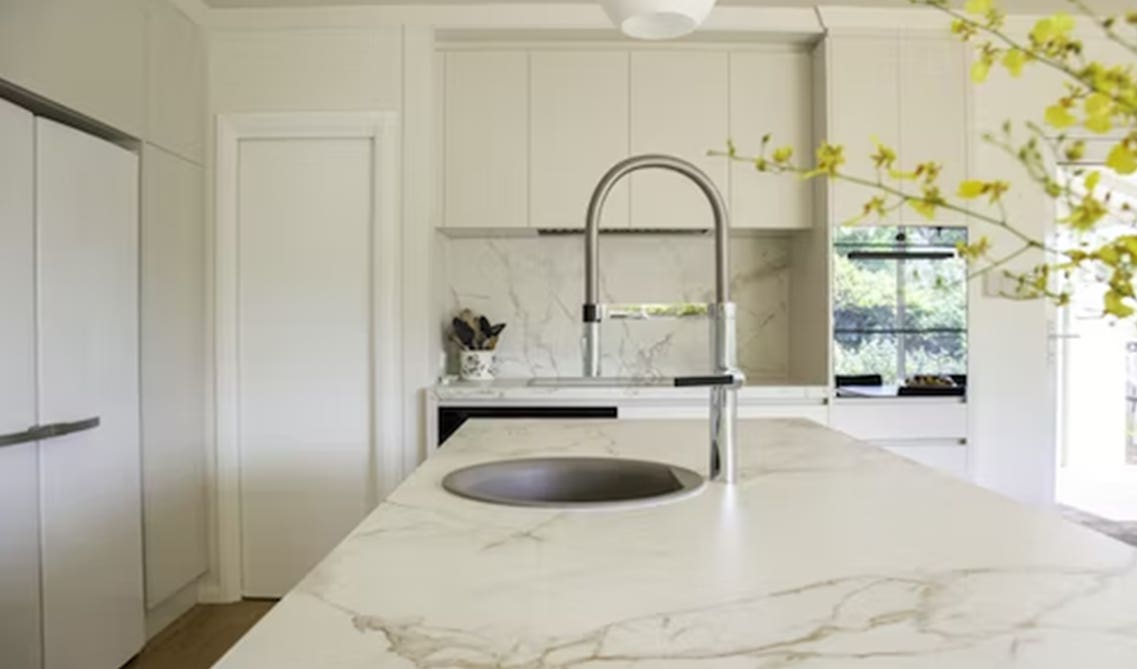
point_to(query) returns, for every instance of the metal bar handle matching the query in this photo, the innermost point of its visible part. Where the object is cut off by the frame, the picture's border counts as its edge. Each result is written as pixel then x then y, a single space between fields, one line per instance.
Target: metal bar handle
pixel 41 432
pixel 61 429
pixel 16 438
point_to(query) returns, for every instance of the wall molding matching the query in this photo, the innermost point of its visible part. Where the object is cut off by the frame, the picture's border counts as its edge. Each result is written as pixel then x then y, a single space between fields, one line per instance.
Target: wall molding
pixel 392 461
pixel 792 23
pixel 195 10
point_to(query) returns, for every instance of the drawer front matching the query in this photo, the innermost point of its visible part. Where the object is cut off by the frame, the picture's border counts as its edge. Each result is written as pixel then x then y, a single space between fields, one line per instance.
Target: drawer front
pixel 916 420
pixel 949 458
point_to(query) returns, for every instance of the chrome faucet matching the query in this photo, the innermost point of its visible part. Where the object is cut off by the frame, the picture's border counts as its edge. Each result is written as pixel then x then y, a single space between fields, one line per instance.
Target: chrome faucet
pixel 727 378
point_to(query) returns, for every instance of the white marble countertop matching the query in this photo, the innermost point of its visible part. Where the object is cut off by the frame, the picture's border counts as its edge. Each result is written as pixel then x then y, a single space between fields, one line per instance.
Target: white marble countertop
pixel 520 390
pixel 829 554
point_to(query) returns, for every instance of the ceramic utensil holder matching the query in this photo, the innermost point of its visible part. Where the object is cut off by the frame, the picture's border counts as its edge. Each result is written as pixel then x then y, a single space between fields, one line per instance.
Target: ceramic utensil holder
pixel 475 365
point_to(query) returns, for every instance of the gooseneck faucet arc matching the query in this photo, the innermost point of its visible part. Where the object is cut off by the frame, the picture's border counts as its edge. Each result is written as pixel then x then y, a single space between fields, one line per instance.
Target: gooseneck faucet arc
pixel 721 313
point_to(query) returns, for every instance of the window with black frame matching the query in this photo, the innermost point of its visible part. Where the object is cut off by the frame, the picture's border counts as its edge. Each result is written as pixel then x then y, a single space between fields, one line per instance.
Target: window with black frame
pixel 900 305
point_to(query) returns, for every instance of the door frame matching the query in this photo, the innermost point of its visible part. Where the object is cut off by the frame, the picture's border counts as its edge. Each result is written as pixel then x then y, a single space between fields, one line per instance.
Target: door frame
pixel 389 459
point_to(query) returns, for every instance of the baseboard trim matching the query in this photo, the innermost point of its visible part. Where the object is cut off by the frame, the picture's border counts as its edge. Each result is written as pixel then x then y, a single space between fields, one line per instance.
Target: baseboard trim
pixel 160 617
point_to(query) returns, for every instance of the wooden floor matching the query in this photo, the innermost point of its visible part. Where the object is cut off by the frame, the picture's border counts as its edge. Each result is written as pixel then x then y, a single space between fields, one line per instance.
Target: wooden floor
pixel 201 636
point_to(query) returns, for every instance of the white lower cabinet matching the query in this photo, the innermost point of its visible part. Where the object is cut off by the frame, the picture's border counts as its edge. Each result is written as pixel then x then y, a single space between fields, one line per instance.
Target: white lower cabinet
pixel 932 432
pixel 815 411
pixel 910 418
pixel 71 589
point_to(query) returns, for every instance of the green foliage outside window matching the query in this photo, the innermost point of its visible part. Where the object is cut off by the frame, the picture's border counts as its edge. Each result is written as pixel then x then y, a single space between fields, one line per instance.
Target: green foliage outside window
pixel 895 315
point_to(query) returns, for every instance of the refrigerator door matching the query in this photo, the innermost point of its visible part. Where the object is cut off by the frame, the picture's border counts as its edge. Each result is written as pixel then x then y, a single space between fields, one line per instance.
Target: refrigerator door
pixel 20 641
pixel 87 263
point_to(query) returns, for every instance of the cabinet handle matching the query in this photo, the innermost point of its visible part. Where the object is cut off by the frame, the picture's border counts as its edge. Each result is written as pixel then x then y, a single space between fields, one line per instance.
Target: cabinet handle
pixel 61 429
pixel 18 437
pixel 41 432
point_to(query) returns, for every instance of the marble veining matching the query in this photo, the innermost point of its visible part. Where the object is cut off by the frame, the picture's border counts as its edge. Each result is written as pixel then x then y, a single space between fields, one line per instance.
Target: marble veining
pixel 829 554
pixel 535 284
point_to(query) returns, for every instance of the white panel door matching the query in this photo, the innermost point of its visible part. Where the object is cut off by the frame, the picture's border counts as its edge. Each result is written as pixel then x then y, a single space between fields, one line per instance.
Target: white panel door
pixel 679 106
pixel 579 114
pixel 305 352
pixel 486 140
pixel 19 463
pixel 87 262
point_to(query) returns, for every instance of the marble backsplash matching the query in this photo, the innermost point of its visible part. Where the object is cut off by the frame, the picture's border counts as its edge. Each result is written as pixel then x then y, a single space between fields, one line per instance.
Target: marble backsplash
pixel 535 285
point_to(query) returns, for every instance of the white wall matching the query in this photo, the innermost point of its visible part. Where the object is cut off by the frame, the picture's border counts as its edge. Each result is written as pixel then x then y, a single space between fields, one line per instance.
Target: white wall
pixel 89 56
pixel 305 70
pixel 1012 391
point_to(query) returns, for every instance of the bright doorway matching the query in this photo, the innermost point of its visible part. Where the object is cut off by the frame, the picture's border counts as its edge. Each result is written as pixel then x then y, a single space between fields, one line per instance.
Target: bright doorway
pixel 1097 394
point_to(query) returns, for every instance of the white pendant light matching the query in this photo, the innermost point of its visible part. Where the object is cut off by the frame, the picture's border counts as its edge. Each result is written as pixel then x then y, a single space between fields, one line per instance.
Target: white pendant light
pixel 657 19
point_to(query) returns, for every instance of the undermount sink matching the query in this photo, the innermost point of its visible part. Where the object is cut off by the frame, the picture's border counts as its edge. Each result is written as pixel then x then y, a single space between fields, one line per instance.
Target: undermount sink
pixel 573 482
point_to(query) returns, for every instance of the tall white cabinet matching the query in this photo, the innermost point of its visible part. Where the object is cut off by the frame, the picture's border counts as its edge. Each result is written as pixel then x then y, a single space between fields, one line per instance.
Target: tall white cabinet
pixel 19 462
pixel 72 579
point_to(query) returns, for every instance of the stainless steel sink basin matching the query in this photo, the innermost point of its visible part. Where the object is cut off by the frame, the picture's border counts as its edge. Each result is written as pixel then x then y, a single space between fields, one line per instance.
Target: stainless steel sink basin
pixel 573 482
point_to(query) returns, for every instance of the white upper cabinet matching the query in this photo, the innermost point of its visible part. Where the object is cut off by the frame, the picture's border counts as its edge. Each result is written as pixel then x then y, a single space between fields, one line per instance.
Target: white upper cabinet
pixel 770 93
pixel 910 93
pixel 864 105
pixel 486 128
pixel 933 113
pixel 579 115
pixel 527 134
pixel 679 106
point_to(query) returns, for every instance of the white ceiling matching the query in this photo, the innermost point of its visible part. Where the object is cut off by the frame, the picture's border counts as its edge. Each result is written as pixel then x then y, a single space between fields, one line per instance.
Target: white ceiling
pixel 1022 6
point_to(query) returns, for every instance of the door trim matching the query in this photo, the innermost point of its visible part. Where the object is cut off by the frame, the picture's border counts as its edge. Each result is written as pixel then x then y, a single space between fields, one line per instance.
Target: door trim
pixel 389 459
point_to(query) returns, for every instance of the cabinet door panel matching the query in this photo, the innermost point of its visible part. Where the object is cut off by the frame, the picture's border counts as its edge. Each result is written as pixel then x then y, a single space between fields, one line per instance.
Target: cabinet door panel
pixel 173 374
pixel 770 92
pixel 579 112
pixel 933 120
pixel 486 128
pixel 864 104
pixel 678 106
pixel 19 464
pixel 87 259
pixel 902 419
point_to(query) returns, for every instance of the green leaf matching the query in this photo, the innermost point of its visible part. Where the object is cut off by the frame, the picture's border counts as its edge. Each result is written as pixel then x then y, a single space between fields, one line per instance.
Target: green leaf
pixel 1121 159
pixel 1115 305
pixel 978 7
pixel 1014 60
pixel 979 71
pixel 1059 117
pixel 924 208
pixel 971 189
pixel 1092 180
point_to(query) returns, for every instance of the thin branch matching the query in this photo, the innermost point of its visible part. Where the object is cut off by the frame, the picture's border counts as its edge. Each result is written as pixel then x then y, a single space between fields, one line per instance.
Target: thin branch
pixel 999 262
pixel 896 192
pixel 1105 27
pixel 1033 52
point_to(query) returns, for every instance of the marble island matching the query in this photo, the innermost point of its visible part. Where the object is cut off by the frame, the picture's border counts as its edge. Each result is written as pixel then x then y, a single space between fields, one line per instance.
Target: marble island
pixel 829 554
